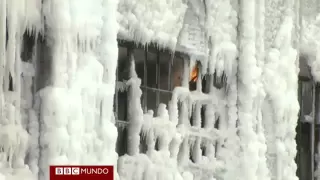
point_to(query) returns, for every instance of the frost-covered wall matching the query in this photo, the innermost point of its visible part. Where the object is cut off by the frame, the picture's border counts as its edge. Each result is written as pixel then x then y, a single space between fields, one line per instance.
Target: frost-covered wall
pixel 15 98
pixel 57 103
pixel 76 108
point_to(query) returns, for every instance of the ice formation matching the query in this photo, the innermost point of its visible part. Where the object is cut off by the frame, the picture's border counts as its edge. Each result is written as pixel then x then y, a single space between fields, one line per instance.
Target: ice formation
pixel 75 111
pixel 249 93
pixel 284 111
pixel 151 21
pixel 57 103
pixel 310 38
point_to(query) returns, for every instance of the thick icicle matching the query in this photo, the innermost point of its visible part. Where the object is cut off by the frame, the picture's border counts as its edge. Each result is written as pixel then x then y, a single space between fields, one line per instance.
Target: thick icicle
pixel 281 73
pixel 247 91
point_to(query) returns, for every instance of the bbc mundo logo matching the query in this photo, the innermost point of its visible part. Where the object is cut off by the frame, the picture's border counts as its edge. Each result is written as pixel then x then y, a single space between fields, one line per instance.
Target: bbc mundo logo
pixel 81 171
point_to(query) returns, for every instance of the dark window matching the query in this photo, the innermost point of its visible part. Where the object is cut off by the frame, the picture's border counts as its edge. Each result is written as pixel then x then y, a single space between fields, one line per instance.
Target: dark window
pixel 27 47
pixel 122 140
pixel 305 134
pixel 162 71
pixel 121 99
pixel 159 70
pixel 218 81
pixel 10 83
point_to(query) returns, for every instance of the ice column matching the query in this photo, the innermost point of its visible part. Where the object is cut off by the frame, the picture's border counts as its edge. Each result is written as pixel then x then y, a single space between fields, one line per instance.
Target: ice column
pixel 263 171
pixel 76 111
pixel 281 73
pixel 247 91
pixel 135 112
pixel 196 152
pixel 183 158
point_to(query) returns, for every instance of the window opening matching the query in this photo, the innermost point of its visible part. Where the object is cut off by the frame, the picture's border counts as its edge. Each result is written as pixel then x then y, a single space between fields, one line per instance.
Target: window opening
pixel 194 77
pixel 204 150
pixel 191 119
pixel 157 144
pixel 191 157
pixel 203 122
pixel 159 70
pixel 28 45
pixel 122 140
pixel 219 82
pixel 194 73
pixel 304 132
pixel 143 147
pixel 121 95
pixel 10 82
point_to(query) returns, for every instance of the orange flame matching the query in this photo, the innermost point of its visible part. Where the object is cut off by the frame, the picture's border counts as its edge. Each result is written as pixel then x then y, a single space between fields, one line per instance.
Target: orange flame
pixel 194 74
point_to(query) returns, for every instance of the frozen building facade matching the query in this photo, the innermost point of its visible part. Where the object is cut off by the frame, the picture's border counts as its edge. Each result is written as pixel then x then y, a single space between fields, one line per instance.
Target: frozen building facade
pixel 162 90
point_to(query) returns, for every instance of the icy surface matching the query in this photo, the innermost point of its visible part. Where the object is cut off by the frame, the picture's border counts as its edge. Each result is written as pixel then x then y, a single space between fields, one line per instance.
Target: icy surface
pixel 151 21
pixel 281 106
pixel 249 99
pixel 310 44
pixel 76 110
pixel 14 138
pixel 221 32
pixel 192 38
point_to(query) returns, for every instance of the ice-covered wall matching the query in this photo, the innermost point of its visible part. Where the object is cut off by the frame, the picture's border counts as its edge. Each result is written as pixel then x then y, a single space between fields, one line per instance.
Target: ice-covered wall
pixel 76 108
pixel 190 150
pixel 16 17
pixel 66 117
pixel 258 116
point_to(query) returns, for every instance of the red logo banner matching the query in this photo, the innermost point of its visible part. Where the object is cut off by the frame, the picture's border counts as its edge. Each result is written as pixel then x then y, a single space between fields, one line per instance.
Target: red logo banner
pixel 81 172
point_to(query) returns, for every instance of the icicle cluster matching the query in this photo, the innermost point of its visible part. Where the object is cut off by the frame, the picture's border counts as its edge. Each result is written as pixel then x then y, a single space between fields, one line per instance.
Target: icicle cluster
pixel 77 109
pixel 281 106
pixel 310 45
pixel 192 39
pixel 248 91
pixel 16 81
pixel 221 23
pixel 155 164
pixel 134 111
pixel 151 21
